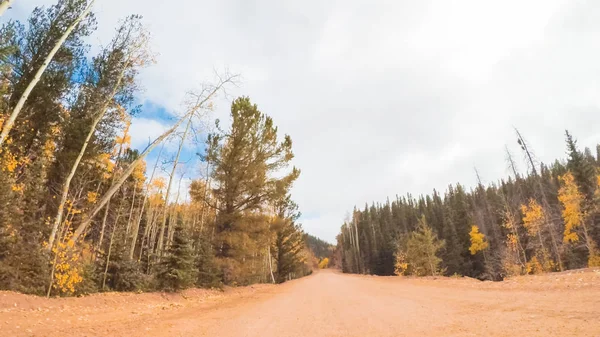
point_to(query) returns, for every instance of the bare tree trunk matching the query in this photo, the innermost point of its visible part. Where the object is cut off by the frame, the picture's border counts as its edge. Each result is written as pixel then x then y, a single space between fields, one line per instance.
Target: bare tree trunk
pixel 8 124
pixel 136 226
pixel 4 6
pixel 67 183
pixel 166 211
pixel 115 186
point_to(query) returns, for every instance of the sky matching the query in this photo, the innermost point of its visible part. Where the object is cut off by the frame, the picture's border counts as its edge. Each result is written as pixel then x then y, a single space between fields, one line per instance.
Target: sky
pixel 381 98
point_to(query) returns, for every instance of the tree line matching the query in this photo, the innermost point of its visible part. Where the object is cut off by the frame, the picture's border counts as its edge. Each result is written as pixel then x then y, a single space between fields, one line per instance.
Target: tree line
pixel 547 219
pixel 81 212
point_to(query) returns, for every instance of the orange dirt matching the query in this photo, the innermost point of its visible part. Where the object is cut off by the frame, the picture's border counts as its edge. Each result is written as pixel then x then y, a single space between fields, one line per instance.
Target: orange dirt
pixel 326 304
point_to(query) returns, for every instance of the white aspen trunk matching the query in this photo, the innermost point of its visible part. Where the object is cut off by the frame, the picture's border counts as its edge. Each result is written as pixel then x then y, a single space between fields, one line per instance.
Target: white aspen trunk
pixel 115 186
pixel 108 202
pixel 206 189
pixel 166 211
pixel 136 226
pixel 130 212
pixel 352 245
pixel 270 264
pixel 112 236
pixel 64 229
pixel 66 185
pixel 103 228
pixel 357 247
pixel 147 232
pixel 147 229
pixel 4 6
pixel 153 231
pixel 8 124
pixel 52 276
pixel 171 230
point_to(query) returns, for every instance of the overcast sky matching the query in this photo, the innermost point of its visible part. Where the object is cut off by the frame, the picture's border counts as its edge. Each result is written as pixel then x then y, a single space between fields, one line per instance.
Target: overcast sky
pixel 380 97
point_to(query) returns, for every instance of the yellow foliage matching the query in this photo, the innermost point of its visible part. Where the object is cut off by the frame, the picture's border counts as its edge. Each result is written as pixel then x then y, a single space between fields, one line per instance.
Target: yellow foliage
pixel 92 197
pixel 125 140
pixel 55 130
pixel 570 197
pixel 67 268
pixel 533 215
pixel 534 266
pixel 401 266
pixel 71 208
pixel 540 263
pixel 511 241
pixel 10 162
pixel 17 187
pixel 324 263
pixel 594 260
pixel 139 172
pixel 49 148
pixel 159 183
pixel 104 162
pixel 478 242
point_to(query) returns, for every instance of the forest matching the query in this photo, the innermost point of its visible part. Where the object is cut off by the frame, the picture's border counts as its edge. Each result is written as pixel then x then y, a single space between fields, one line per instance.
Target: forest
pixel 544 220
pixel 321 249
pixel 81 211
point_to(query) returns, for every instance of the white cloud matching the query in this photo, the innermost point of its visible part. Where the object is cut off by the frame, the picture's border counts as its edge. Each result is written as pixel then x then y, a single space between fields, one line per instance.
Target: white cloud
pixel 382 97
pixel 143 131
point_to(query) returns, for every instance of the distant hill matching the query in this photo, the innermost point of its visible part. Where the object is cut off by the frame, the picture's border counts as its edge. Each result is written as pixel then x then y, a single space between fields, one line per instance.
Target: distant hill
pixel 320 248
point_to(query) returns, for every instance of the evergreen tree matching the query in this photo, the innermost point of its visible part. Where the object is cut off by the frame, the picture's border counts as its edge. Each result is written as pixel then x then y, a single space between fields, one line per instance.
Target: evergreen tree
pixel 288 248
pixel 178 270
pixel 245 160
pixel 419 251
pixel 208 271
pixel 582 169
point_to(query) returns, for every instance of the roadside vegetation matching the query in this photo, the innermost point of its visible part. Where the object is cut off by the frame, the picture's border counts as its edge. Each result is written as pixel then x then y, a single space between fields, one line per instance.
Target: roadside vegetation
pixel 544 220
pixel 81 211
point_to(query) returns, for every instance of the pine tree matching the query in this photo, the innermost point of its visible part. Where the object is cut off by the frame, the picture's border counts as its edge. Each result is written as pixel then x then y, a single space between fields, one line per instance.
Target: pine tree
pixel 122 274
pixel 208 271
pixel 419 251
pixel 178 270
pixel 582 169
pixel 245 160
pixel 288 249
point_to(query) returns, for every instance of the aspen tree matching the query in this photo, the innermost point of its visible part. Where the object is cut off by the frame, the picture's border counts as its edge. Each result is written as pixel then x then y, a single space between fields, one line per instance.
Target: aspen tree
pixel 202 99
pixel 9 122
pixel 168 192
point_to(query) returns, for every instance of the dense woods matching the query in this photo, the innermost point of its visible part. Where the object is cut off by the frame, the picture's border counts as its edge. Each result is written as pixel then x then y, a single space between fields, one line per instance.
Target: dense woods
pixel 543 220
pixel 320 248
pixel 80 209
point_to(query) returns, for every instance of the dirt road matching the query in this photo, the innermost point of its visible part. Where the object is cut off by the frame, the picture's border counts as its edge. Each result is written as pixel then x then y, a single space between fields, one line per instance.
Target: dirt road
pixel 327 304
